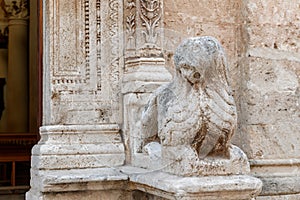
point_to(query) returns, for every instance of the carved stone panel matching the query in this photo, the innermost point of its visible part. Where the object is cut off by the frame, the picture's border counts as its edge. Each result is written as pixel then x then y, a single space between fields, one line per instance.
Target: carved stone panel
pixel 85 79
pixel 143 20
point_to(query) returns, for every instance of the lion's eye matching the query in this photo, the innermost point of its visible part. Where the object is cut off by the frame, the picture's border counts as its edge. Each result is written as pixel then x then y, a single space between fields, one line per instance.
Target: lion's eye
pixel 196 75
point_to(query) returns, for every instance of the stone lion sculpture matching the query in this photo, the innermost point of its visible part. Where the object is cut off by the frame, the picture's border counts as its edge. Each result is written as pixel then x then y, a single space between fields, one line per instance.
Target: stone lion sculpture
pixel 194 117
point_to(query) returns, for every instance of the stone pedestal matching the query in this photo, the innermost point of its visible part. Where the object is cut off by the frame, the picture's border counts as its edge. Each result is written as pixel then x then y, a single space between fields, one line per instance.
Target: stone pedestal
pixel 165 186
pixel 76 147
pixel 145 67
pixel 17 76
pixel 137 183
pixel 64 149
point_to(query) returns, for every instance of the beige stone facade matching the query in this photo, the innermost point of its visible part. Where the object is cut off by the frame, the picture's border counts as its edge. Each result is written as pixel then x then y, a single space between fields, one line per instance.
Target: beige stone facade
pixel 104 58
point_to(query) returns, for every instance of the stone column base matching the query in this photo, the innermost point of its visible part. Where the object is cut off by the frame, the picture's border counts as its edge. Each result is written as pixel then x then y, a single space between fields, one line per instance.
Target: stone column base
pixel 135 183
pixel 91 184
pixel 78 146
pixel 66 152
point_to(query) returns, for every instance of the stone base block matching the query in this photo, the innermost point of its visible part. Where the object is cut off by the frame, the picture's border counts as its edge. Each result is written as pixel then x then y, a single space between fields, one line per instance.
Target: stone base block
pixel 134 183
pixel 78 146
pixel 167 186
pixel 178 162
pixel 92 184
pixel 144 75
pixel 181 161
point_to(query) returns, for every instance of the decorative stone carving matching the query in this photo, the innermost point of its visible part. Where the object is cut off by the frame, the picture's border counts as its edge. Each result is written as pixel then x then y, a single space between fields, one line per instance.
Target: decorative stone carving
pixel 151 11
pixel 144 69
pixel 83 103
pixel 15 8
pixel 150 33
pixel 80 69
pixel 143 25
pixel 194 116
pixel 130 9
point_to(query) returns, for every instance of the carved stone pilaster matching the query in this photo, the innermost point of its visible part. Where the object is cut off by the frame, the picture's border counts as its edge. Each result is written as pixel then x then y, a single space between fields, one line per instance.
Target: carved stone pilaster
pixel 143 24
pixel 84 79
pixel 130 25
pixel 150 13
pixel 144 60
pixel 144 63
pixel 83 66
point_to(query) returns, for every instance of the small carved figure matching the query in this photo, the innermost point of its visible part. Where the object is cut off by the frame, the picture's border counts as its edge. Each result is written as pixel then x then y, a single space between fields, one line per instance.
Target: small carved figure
pixel 194 116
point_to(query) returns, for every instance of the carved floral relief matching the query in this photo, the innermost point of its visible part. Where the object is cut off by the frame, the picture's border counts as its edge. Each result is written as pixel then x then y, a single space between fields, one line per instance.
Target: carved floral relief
pixel 150 13
pixel 130 23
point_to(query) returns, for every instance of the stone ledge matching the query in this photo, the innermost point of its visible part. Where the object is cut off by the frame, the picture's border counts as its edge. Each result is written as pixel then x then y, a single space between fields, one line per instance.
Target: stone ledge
pixel 82 179
pixel 279 176
pixel 275 167
pixel 274 54
pixel 208 187
pixel 280 185
pixel 108 128
pixel 159 184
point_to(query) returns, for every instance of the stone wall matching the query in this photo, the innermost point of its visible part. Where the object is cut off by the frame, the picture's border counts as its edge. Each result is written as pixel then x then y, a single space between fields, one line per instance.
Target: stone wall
pixel 270 96
pixel 220 19
pixel 270 106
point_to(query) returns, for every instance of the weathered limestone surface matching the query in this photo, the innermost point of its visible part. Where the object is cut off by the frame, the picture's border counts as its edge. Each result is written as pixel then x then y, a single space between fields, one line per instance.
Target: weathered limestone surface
pixel 186 129
pixel 280 197
pixel 177 187
pixel 271 103
pixel 267 31
pixel 219 18
pixel 69 147
pixel 144 66
pixel 82 94
pixel 84 62
pixel 63 150
pixel 133 183
pixel 270 95
pixel 104 59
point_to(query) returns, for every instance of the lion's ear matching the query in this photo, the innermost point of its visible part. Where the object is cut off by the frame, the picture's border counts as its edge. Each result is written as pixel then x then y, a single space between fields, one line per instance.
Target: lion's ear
pixel 222 68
